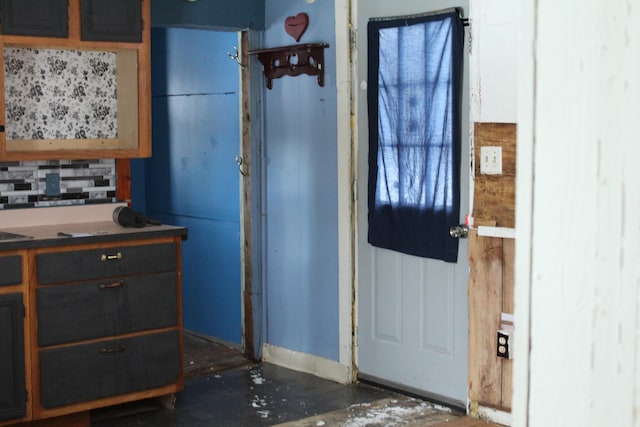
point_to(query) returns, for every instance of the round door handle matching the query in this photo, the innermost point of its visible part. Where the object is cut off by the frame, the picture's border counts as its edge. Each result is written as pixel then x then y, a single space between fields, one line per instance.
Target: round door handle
pixel 459 231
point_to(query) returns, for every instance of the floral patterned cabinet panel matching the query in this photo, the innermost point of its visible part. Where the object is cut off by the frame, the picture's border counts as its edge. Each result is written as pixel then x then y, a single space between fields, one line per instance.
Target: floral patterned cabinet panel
pixel 76 98
pixel 60 94
pixel 80 98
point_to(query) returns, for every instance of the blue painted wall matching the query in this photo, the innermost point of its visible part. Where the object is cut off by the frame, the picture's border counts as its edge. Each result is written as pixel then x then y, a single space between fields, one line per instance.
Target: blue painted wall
pixel 221 14
pixel 192 178
pixel 300 168
pixel 301 193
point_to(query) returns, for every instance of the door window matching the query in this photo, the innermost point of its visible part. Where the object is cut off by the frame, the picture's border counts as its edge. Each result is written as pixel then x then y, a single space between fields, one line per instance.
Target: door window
pixel 415 71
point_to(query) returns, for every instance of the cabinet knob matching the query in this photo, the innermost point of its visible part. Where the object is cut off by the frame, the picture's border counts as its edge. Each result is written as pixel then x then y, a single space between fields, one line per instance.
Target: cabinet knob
pixel 106 257
pixel 112 285
pixel 118 349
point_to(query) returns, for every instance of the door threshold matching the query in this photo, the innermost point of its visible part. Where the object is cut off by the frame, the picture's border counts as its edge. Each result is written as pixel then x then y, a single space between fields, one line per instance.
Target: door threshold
pixel 229 344
pixel 455 405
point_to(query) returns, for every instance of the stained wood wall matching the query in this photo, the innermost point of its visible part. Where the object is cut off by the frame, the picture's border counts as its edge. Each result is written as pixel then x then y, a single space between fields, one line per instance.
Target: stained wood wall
pixel 491 262
pixel 491 280
pixel 495 195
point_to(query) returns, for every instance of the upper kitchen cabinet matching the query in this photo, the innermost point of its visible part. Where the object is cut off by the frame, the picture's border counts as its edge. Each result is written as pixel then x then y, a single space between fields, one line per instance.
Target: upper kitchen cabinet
pixel 43 18
pixel 75 79
pixel 113 20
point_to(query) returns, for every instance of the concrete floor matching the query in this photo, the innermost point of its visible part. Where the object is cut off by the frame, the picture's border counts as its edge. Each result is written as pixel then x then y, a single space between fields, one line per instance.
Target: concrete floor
pixel 224 388
pixel 266 395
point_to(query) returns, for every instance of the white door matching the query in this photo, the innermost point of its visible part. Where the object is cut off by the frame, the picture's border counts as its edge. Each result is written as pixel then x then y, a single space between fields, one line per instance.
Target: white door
pixel 412 312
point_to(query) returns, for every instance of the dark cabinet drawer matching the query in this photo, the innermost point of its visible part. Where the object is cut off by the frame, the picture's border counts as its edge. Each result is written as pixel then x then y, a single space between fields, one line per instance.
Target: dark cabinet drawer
pixel 103 263
pixel 13 402
pixel 68 313
pixel 93 371
pixel 10 270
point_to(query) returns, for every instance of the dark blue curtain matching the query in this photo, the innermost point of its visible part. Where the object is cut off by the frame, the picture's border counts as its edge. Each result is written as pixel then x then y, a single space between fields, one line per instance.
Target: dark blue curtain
pixel 414 98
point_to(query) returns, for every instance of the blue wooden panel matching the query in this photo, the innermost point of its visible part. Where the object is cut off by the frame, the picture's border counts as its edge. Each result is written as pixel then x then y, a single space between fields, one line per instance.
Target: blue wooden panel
pixel 192 178
pixel 193 62
pixel 193 168
pixel 220 14
pixel 211 277
pixel 301 194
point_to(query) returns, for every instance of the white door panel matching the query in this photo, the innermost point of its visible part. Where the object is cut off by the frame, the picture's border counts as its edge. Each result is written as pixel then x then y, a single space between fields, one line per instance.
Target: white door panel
pixel 412 312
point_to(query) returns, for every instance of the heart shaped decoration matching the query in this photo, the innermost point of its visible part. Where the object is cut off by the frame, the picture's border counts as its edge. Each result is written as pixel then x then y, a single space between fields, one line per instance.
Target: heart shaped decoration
pixel 295 26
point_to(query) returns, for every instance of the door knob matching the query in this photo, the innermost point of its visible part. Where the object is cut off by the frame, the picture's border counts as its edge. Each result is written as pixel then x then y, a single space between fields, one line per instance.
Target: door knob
pixel 459 231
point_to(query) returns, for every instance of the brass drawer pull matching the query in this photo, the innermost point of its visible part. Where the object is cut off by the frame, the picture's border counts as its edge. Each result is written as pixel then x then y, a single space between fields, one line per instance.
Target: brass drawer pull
pixel 112 285
pixel 105 350
pixel 106 257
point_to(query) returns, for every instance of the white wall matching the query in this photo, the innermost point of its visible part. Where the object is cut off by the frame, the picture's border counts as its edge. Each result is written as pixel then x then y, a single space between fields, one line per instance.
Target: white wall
pixel 577 114
pixel 492 66
pixel 493 60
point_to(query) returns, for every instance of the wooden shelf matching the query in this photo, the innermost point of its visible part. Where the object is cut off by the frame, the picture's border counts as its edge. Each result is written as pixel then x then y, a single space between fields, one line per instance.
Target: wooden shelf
pixel 292 61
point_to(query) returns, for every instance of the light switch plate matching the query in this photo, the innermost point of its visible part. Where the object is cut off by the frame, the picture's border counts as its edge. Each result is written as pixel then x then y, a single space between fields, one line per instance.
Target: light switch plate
pixel 491 160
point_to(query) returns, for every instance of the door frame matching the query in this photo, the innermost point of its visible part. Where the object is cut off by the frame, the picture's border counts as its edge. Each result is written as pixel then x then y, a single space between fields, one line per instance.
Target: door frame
pixel 250 194
pixel 252 282
pixel 351 52
pixel 525 155
pixel 346 83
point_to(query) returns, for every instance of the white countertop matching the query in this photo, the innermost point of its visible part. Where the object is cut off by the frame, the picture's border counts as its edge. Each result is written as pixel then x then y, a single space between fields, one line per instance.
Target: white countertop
pixel 34 217
pixel 78 224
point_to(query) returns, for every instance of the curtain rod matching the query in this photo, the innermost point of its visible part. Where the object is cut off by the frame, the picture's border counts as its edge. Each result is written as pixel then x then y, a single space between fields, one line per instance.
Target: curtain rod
pixel 458 10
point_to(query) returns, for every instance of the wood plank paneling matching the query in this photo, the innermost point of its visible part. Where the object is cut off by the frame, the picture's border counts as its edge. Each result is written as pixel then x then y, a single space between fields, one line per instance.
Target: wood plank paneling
pixel 494 195
pixel 494 201
pixel 485 303
pixel 491 281
pixel 466 422
pixel 508 274
pixel 508 278
pixel 246 204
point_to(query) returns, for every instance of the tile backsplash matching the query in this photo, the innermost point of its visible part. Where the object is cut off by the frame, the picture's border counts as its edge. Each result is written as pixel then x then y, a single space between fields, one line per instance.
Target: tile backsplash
pixel 24 184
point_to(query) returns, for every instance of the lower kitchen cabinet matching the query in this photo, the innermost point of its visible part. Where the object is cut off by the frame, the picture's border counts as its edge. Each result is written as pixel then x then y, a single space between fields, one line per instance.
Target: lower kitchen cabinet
pixel 104 308
pixel 13 399
pixel 103 369
pixel 11 268
pixel 85 326
pixel 105 262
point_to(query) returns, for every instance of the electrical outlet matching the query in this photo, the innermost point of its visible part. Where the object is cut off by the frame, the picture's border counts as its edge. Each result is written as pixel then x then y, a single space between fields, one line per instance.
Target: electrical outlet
pixel 52 185
pixel 504 343
pixel 491 160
